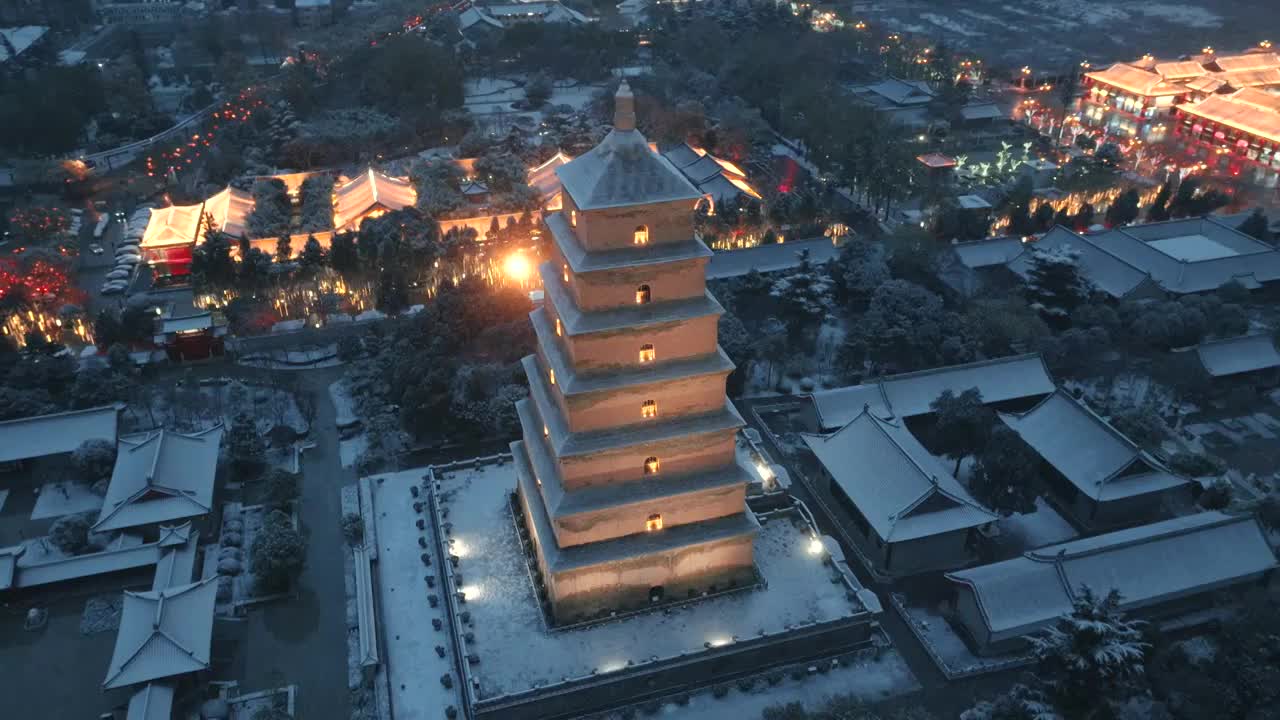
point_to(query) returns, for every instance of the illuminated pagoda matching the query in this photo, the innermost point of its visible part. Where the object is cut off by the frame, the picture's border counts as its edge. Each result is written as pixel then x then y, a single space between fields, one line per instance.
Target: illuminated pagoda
pixel 628 481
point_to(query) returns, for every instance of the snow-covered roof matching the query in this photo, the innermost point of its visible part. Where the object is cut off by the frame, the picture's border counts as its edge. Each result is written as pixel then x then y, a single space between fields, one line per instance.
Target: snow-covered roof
pixel 543 10
pixel 200 321
pixel 1105 271
pixel 366 615
pixel 177 561
pixel 981 111
pixel 769 258
pixel 366 192
pixel 1095 457
pixel 1243 354
pixel 623 170
pixel 173 225
pixel 989 252
pixel 41 435
pixel 163 633
pixel 160 476
pixel 1149 564
pixel 20 38
pixel 1180 256
pixel 901 489
pixel 473 16
pixel 543 178
pixel 911 394
pixel 153 701
pixel 9 564
pixel 898 92
pixel 230 210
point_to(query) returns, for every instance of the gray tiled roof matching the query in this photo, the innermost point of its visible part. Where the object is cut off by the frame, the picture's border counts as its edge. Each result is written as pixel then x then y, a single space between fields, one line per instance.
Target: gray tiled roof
pixel 1247 353
pixel 163 633
pixel 1149 564
pixel 911 394
pixel 63 432
pixel 1107 272
pixel 153 701
pixel 901 489
pixel 160 476
pixel 1095 457
pixel 622 170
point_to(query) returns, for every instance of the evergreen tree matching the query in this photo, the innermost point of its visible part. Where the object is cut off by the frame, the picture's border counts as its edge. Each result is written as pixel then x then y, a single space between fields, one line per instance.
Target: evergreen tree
pixel 860 268
pixel 1054 285
pixel 277 554
pixel 343 257
pixel 313 257
pixel 284 248
pixel 1006 475
pixel 211 261
pixel 1042 220
pixel 1159 210
pixel 1125 209
pixel 1257 226
pixel 962 424
pixel 804 298
pixel 1083 219
pixel 245 447
pixel 392 291
pixel 1092 658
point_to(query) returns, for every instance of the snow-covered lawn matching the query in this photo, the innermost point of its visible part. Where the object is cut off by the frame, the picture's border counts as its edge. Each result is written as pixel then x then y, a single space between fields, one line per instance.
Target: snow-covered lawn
pixel 516 650
pixel 191 406
pixel 413 666
pixel 947 645
pixel 65 498
pixel 343 405
pixel 870 681
pixel 1036 529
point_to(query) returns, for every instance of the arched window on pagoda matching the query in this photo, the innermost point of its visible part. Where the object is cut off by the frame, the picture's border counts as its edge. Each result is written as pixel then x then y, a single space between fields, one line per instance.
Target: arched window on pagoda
pixel 651 465
pixel 647 353
pixel 643 295
pixel 641 236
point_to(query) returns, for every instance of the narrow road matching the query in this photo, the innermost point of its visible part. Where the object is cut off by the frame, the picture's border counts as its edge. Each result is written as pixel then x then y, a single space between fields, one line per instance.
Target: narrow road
pixel 940 695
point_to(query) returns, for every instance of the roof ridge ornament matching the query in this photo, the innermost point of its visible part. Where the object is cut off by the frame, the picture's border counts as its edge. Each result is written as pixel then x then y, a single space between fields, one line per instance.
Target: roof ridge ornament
pixel 624 109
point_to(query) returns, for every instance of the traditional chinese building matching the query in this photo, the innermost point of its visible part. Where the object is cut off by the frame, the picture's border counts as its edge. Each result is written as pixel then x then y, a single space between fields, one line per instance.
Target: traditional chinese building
pixel 1236 133
pixel 628 482
pixel 1137 99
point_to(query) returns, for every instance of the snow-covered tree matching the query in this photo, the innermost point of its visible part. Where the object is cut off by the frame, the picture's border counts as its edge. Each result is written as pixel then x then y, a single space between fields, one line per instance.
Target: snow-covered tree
pixel 245 447
pixel 1020 702
pixel 94 459
pixel 438 182
pixel 1257 226
pixel 70 533
pixel 804 298
pixel 1054 285
pixel 277 554
pixel 270 214
pixel 1093 657
pixel 860 268
pixel 313 258
pixel 1006 476
pixel 316 199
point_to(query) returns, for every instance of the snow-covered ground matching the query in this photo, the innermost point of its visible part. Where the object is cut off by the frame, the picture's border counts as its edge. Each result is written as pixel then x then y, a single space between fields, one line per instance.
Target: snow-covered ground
pixel 343 406
pixel 870 681
pixel 1037 529
pixel 351 450
pixel 413 666
pixel 320 357
pixel 64 498
pixel 191 406
pixel 516 650
pixel 934 630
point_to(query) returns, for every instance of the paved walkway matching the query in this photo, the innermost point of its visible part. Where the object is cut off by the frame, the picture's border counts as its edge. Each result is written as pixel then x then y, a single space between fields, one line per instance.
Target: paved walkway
pixel 303 640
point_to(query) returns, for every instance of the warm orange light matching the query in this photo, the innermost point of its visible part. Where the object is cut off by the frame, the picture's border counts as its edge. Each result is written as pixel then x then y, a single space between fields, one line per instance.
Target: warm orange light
pixel 649 409
pixel 653 523
pixel 517 267
pixel 559 328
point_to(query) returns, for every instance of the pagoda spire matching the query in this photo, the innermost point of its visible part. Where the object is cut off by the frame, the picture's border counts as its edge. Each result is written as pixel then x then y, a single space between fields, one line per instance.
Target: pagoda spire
pixel 624 109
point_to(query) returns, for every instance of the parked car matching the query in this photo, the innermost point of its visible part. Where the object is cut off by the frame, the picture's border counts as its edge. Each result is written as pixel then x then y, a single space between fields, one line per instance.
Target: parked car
pixel 95 248
pixel 120 274
pixel 112 289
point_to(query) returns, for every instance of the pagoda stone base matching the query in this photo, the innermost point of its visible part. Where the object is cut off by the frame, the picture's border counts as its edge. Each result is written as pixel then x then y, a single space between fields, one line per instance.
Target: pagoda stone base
pixel 624 584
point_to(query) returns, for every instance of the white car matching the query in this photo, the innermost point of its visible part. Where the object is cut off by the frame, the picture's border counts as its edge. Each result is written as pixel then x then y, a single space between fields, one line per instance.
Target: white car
pixel 95 248
pixel 130 242
pixel 111 289
pixel 129 260
pixel 120 274
pixel 127 250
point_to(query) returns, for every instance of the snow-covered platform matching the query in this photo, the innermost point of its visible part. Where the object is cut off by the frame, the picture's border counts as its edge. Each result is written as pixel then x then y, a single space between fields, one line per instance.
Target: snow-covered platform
pixel 513 666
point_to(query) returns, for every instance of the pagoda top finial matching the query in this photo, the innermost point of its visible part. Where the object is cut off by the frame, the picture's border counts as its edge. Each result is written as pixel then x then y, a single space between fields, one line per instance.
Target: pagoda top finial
pixel 624 109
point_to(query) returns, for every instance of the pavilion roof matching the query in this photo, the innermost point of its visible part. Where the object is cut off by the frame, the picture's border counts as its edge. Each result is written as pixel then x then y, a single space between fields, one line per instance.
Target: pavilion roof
pixel 1248 61
pixel 173 225
pixel 160 476
pixel 1136 80
pixel 230 210
pixel 368 191
pixel 163 633
pixel 1248 110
